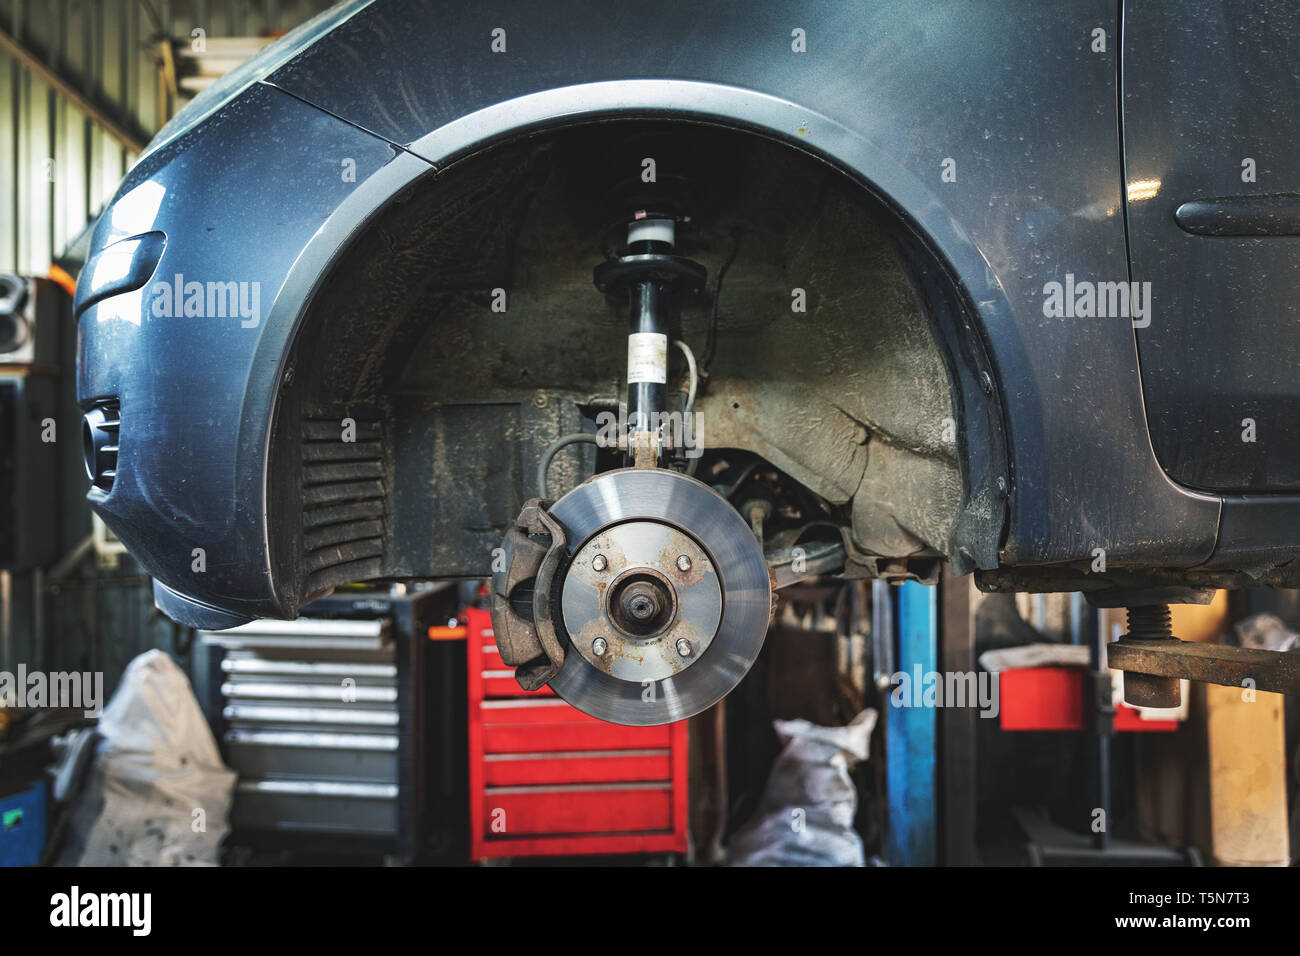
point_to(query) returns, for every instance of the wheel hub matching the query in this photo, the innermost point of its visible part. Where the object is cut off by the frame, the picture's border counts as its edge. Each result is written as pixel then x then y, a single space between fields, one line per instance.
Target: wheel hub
pixel 665 599
pixel 638 603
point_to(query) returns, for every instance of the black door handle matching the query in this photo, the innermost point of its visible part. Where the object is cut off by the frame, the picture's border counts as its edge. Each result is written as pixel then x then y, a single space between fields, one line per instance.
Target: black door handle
pixel 1271 215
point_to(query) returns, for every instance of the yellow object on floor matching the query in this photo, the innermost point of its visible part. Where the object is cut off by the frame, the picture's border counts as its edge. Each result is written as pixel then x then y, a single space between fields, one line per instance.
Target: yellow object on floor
pixel 1247 753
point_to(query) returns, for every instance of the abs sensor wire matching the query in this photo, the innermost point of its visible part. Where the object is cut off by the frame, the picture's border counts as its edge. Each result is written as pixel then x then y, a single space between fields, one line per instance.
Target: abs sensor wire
pixel 693 371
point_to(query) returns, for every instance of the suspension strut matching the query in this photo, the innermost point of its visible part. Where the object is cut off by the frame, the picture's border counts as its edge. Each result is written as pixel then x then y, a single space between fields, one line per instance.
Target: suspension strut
pixel 652 277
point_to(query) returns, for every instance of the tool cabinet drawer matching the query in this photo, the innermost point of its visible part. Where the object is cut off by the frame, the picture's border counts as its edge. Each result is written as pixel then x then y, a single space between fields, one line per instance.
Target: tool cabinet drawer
pixel 609 808
pixel 574 767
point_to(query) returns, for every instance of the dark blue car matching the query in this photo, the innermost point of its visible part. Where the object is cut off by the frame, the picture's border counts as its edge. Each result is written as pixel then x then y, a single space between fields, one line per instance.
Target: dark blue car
pixel 767 290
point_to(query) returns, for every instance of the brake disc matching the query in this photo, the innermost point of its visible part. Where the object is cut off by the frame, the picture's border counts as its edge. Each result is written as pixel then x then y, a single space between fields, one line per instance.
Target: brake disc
pixel 665 599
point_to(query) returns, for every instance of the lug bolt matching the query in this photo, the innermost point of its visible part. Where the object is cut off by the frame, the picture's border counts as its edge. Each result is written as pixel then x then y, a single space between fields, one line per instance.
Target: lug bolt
pixel 684 647
pixel 599 562
pixel 598 647
pixel 683 563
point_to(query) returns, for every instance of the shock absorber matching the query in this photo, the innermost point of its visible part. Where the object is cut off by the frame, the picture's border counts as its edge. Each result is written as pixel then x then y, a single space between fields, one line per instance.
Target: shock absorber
pixel 651 277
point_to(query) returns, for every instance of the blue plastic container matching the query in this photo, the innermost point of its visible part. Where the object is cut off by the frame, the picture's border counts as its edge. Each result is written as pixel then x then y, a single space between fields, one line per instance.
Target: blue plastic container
pixel 22 826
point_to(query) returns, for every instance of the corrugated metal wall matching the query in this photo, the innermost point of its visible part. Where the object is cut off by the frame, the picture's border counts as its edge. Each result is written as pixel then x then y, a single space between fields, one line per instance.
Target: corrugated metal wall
pixel 57 168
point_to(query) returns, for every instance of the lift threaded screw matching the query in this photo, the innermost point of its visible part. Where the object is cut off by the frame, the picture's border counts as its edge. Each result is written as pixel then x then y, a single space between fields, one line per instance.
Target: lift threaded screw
pixel 598 647
pixel 1150 622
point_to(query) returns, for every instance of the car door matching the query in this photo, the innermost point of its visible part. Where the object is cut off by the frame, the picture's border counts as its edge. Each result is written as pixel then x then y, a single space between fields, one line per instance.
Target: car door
pixel 1211 128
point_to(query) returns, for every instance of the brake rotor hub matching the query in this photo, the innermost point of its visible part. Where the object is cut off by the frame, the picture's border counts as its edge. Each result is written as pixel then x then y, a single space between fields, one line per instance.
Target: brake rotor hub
pixel 665 598
pixel 628 606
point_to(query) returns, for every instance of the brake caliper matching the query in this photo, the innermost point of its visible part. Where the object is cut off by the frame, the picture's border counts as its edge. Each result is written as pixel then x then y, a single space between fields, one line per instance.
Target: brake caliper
pixel 521 596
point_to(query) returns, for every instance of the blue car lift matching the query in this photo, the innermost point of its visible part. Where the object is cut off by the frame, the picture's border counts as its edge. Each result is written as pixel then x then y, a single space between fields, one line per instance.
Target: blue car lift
pixel 911 733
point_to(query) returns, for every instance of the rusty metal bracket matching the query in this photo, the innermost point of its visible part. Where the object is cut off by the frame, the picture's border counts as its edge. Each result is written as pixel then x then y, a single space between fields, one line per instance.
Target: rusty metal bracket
pixel 1151 665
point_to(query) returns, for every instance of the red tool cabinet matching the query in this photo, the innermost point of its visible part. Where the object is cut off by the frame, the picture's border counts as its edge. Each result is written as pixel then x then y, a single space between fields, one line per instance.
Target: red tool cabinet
pixel 548 780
